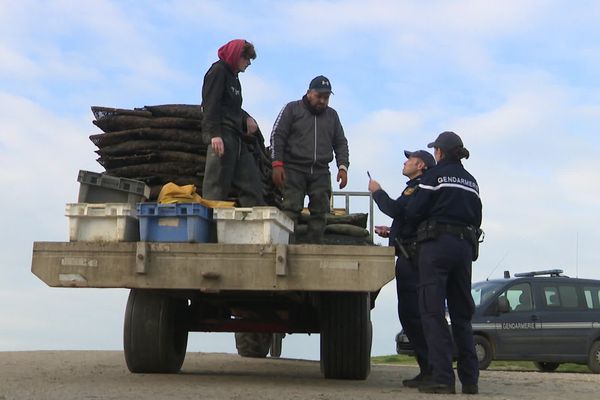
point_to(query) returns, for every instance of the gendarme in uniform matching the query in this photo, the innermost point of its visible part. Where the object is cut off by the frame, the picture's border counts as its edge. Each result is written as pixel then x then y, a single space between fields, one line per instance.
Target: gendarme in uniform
pixel 447 211
pixel 403 237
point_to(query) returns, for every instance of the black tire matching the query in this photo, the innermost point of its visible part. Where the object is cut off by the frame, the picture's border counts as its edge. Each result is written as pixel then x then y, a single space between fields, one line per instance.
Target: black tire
pixel 543 366
pixel 276 345
pixel 483 348
pixel 594 358
pixel 154 334
pixel 346 334
pixel 253 344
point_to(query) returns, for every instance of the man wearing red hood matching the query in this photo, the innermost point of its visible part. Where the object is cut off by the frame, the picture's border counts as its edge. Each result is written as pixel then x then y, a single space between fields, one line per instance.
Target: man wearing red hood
pixel 229 163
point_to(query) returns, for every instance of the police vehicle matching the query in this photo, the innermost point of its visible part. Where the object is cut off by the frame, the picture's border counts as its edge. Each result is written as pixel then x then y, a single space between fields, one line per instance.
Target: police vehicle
pixel 541 316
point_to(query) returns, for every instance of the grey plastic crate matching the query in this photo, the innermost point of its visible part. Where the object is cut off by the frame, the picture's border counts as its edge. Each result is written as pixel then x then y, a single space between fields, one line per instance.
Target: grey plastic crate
pixel 99 188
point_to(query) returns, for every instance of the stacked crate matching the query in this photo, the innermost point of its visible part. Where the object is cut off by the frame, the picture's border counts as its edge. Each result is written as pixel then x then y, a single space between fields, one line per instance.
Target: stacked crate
pixel 106 208
pixel 253 225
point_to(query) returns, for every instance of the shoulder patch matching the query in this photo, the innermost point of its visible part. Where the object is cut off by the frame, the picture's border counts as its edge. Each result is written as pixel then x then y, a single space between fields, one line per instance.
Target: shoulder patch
pixel 408 191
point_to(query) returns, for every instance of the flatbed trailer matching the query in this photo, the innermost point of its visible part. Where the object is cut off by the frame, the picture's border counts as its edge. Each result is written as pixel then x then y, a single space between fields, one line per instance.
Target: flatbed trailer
pixel 258 291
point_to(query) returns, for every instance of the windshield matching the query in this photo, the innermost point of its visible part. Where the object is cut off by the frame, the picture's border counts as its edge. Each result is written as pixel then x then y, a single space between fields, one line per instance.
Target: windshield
pixel 482 291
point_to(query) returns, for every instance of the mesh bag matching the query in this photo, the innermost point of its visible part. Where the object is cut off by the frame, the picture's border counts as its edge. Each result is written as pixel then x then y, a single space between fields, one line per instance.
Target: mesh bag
pixel 101 112
pixel 113 123
pixel 174 168
pixel 190 111
pixel 109 162
pixel 176 135
pixel 147 146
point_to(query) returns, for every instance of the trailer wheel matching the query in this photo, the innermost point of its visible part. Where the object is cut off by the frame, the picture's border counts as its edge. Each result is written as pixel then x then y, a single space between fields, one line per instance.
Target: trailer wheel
pixel 253 344
pixel 154 334
pixel 346 334
pixel 276 344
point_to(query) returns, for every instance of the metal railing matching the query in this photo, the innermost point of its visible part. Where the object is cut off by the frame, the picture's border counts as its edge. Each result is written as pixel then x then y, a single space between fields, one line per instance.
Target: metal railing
pixel 347 196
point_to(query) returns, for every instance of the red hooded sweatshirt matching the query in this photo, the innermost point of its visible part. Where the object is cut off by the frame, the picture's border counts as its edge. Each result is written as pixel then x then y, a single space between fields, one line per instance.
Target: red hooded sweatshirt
pixel 231 53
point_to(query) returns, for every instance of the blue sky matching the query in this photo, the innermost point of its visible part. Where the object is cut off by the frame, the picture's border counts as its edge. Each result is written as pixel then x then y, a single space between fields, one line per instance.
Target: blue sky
pixel 518 80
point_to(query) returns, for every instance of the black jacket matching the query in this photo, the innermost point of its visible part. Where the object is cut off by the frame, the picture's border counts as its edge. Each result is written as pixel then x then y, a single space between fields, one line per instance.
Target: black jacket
pixel 447 194
pixel 305 141
pixel 222 101
pixel 396 209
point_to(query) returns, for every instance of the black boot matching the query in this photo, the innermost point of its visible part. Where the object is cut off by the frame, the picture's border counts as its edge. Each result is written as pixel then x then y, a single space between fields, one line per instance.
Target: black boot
pixel 436 387
pixel 416 381
pixel 470 388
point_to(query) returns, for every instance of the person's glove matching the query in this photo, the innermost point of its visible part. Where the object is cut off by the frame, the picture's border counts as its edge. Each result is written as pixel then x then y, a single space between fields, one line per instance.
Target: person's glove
pixel 342 178
pixel 278 176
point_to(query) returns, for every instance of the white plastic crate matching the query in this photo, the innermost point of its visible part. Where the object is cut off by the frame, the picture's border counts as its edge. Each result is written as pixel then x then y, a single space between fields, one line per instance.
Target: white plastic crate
pixel 256 225
pixel 102 222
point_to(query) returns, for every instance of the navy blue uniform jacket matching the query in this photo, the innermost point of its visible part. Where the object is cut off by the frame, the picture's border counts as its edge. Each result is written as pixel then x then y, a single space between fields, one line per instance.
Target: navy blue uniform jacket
pixel 396 209
pixel 447 194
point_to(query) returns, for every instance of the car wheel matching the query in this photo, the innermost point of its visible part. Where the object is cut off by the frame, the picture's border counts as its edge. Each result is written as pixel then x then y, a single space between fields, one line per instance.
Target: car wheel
pixel 483 348
pixel 546 366
pixel 594 358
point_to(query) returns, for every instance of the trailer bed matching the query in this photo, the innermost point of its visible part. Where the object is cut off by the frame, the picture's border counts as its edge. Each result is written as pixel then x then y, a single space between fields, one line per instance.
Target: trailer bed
pixel 213 267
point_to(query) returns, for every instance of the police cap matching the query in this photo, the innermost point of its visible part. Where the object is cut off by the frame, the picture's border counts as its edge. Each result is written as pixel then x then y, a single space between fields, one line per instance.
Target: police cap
pixel 447 141
pixel 425 156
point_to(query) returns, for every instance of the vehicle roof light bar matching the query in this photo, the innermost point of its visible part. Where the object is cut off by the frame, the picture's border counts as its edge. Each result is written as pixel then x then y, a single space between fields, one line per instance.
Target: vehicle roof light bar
pixel 551 272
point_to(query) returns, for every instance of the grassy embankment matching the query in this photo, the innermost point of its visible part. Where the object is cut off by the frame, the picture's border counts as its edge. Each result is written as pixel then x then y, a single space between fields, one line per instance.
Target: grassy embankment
pixel 494 366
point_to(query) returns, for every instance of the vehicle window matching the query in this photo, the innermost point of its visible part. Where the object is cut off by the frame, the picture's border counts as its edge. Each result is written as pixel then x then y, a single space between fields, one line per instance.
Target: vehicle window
pixel 563 296
pixel 592 297
pixel 551 296
pixel 568 296
pixel 519 297
pixel 482 291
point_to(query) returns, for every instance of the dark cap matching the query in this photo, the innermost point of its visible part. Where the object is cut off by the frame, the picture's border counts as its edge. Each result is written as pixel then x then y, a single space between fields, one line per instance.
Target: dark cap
pixel 447 141
pixel 321 84
pixel 425 156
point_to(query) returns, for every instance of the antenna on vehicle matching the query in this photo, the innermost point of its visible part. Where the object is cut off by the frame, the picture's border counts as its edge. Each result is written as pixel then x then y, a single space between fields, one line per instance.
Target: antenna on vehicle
pixel 497 265
pixel 577 256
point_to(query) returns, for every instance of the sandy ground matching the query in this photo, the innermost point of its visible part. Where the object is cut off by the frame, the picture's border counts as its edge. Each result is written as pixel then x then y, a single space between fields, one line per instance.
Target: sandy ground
pixel 103 375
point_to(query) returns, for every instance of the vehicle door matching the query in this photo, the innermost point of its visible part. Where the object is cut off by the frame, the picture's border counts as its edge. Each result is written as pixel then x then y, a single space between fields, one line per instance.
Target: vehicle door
pixel 564 323
pixel 518 331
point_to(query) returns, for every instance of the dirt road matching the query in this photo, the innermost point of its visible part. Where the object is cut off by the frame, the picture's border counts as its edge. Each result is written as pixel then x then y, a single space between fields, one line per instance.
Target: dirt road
pixel 68 375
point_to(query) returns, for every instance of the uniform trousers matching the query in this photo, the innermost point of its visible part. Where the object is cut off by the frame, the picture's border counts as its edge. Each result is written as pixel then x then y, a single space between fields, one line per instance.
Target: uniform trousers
pixel 445 276
pixel 408 310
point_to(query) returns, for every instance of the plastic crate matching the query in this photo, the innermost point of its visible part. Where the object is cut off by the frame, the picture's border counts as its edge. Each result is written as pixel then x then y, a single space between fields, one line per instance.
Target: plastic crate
pixel 256 225
pixel 99 188
pixel 102 222
pixel 179 222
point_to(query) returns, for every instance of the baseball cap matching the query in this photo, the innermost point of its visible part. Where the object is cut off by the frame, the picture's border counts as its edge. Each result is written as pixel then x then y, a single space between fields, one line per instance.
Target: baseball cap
pixel 321 84
pixel 447 141
pixel 425 156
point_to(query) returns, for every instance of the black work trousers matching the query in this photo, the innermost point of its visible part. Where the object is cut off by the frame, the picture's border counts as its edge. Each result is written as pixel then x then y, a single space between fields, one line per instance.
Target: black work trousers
pixel 445 276
pixel 318 189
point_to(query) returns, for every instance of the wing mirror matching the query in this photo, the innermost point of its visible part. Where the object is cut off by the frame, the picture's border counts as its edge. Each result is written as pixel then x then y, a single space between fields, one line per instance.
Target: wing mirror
pixel 502 305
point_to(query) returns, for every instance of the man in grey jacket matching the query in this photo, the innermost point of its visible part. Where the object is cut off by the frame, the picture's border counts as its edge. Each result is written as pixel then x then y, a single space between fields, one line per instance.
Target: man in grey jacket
pixel 305 135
